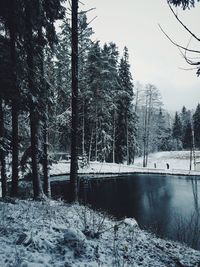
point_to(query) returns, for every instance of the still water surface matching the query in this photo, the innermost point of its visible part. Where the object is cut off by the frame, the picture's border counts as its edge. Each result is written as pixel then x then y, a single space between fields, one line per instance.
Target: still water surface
pixel 166 205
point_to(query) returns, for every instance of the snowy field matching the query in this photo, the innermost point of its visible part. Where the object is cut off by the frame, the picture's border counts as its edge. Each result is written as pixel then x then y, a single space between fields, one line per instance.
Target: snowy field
pixel 55 234
pixel 179 162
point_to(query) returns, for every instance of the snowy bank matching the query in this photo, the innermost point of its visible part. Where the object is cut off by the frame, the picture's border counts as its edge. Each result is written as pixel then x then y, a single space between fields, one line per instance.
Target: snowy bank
pixel 55 234
pixel 178 161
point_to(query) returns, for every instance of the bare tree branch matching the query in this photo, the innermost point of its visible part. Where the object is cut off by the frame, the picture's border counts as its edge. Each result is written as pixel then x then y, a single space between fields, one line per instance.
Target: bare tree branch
pixel 86 11
pixel 185 27
pixel 176 44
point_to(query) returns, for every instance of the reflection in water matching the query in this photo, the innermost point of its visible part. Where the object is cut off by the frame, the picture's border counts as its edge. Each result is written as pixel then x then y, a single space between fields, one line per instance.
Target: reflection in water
pixel 195 193
pixel 166 205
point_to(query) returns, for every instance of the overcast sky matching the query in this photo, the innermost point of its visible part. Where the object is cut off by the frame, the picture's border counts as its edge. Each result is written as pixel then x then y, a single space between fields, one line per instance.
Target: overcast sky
pixel 153 58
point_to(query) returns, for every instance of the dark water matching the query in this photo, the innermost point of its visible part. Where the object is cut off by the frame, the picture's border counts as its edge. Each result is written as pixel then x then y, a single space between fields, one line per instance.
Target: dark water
pixel 166 205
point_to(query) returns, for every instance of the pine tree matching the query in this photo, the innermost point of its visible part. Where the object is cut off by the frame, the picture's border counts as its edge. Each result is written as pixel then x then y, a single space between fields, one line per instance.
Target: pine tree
pixel 125 110
pixel 93 98
pixel 196 122
pixel 187 139
pixel 177 131
pixel 163 133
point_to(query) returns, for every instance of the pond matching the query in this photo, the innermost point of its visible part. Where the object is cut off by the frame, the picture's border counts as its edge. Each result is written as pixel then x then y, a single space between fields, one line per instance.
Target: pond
pixel 165 205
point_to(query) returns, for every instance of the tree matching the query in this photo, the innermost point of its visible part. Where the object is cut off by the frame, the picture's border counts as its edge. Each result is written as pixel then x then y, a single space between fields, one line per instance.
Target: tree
pixel 177 131
pixel 125 110
pixel 196 123
pixel 187 138
pixel 2 152
pixel 6 88
pixel 93 98
pixel 186 51
pixel 163 132
pixel 185 117
pixel 39 30
pixel 74 127
pixel 183 3
pixel 152 103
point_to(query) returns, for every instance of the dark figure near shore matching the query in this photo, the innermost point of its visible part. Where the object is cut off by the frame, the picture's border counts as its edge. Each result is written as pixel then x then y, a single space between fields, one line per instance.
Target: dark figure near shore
pixel 155 165
pixel 167 165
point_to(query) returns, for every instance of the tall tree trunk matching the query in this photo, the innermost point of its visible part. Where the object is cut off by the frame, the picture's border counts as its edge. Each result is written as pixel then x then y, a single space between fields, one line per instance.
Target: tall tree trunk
pixel 114 136
pixel 148 128
pixel 2 152
pixel 15 150
pixel 74 129
pixel 45 161
pixel 193 146
pixel 34 124
pixel 190 157
pixel 34 116
pixel 90 146
pixel 96 134
pixel 83 129
pixel 15 145
pixel 145 136
pixel 127 141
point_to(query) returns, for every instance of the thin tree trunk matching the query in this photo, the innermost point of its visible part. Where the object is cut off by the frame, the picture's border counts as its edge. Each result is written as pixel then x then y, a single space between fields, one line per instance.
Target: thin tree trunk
pixel 74 129
pixel 114 135
pixel 2 152
pixel 193 147
pixel 15 150
pixel 145 136
pixel 148 128
pixel 45 160
pixel 127 140
pixel 190 157
pixel 34 124
pixel 15 145
pixel 96 134
pixel 34 116
pixel 90 146
pixel 83 130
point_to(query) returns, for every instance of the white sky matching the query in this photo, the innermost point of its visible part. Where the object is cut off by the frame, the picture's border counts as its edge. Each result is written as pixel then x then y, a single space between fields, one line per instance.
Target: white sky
pixel 153 58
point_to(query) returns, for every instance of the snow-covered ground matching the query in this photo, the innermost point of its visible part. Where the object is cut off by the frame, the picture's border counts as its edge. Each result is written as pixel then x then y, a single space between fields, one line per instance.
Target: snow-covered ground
pixel 179 163
pixel 55 234
pixel 179 160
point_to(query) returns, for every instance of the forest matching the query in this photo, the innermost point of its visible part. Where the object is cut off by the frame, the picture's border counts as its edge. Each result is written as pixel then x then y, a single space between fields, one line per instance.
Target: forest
pixel 117 118
pixel 63 93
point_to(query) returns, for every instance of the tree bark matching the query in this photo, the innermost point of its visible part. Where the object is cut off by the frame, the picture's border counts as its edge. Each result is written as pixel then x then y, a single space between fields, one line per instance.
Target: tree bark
pixel 45 160
pixel 34 125
pixel 14 97
pixel 127 141
pixel 90 146
pixel 2 152
pixel 74 128
pixel 83 130
pixel 96 134
pixel 34 114
pixel 15 150
pixel 114 136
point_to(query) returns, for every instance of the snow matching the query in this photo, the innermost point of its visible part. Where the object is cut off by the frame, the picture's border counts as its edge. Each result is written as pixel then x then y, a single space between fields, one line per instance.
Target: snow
pixel 177 160
pixel 178 164
pixel 56 234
